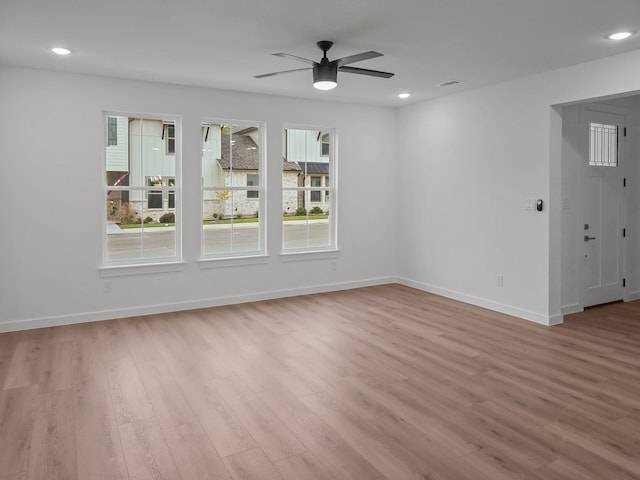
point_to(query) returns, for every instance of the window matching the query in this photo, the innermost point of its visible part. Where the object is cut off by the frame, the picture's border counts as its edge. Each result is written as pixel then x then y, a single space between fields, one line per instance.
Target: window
pixel 169 133
pixel 112 131
pixel 326 192
pixel 141 188
pixel 309 205
pixel 324 144
pixel 232 159
pixel 316 195
pixel 603 145
pixel 163 199
pixel 252 181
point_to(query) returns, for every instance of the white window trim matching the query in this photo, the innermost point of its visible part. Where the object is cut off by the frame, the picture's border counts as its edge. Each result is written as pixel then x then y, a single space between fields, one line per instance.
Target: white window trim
pixel 332 248
pixel 240 258
pixel 233 261
pixel 150 265
pixel 141 269
pixel 303 255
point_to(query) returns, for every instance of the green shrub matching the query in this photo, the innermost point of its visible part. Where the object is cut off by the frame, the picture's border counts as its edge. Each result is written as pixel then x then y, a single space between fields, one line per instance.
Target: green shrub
pixel 147 220
pixel 316 211
pixel 168 218
pixel 301 211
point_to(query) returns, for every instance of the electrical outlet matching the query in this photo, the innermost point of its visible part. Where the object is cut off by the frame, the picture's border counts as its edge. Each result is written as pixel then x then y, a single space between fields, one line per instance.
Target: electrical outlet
pixel 334 265
pixel 106 286
pixel 500 280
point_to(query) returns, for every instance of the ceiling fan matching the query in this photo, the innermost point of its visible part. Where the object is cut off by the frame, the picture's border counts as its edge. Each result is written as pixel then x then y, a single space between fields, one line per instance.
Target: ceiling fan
pixel 325 72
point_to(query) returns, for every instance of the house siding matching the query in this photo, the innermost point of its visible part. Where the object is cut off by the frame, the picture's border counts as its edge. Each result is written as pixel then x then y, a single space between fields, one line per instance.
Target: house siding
pixel 118 155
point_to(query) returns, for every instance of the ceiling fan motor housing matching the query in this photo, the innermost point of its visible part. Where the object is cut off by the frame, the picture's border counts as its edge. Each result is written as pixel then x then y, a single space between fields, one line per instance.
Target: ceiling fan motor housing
pixel 325 71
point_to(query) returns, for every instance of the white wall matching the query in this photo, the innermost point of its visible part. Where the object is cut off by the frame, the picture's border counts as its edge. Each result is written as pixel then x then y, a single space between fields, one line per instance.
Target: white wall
pixel 632 247
pixel 466 165
pixel 52 205
pixel 571 159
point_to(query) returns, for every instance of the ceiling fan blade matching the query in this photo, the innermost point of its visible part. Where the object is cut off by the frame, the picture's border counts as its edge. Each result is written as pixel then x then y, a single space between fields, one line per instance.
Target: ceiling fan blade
pixel 295 57
pixel 280 73
pixel 366 71
pixel 357 58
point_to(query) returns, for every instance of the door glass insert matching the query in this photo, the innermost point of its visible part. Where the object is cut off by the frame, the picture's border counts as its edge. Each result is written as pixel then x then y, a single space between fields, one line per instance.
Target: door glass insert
pixel 603 145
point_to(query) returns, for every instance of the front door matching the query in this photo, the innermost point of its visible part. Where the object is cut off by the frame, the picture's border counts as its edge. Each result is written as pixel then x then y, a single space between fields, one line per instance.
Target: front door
pixel 603 207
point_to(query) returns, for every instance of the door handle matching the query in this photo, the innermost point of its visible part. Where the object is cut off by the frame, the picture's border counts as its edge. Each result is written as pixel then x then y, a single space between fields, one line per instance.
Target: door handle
pixel 587 238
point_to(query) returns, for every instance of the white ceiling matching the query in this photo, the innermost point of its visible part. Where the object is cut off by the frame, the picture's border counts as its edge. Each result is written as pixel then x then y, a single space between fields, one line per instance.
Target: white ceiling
pixel 224 44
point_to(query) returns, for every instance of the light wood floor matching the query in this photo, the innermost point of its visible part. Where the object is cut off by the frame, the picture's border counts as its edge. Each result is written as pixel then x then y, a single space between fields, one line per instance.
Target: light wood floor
pixel 375 383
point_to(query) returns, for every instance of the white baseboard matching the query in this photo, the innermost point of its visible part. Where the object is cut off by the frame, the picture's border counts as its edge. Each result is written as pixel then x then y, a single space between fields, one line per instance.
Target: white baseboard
pixel 569 309
pixel 30 324
pixel 484 303
pixel 631 296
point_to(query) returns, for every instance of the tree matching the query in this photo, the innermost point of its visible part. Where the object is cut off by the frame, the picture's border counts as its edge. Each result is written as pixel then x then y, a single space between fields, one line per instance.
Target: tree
pixel 222 196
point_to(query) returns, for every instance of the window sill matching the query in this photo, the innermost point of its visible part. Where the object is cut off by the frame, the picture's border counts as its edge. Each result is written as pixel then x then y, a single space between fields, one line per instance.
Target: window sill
pixel 106 271
pixel 303 255
pixel 233 261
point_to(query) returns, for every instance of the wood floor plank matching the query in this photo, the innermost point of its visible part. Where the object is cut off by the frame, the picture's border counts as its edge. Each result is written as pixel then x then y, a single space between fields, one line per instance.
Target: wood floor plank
pixel 112 341
pixel 270 433
pixel 335 454
pixel 146 452
pixel 129 396
pixel 251 465
pixel 98 446
pixel 17 410
pixel 608 451
pixel 29 363
pixel 61 373
pixel 303 466
pixel 53 454
pixel 220 422
pixel 168 402
pixel 365 439
pixel 138 335
pixel 193 453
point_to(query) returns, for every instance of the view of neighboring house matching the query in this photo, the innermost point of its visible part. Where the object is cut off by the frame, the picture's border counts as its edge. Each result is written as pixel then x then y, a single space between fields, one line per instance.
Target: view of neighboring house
pixel 141 153
pixel 310 150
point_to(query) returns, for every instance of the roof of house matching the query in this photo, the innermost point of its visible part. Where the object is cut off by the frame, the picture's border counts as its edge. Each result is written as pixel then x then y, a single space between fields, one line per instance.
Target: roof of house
pixel 245 155
pixel 315 168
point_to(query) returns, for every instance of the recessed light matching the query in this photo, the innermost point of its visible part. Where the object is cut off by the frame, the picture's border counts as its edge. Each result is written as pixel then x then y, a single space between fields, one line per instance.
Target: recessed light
pixel 61 51
pixel 404 95
pixel 619 35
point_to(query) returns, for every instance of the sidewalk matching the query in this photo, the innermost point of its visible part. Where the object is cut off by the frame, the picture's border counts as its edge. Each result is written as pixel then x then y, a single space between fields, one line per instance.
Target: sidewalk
pixel 114 228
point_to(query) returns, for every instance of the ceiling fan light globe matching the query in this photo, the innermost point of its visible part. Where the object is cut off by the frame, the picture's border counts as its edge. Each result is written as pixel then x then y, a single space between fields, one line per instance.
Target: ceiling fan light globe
pixel 325 84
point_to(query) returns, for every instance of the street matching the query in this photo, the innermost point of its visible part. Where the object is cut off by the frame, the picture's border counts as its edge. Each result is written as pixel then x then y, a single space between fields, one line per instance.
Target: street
pixel 159 242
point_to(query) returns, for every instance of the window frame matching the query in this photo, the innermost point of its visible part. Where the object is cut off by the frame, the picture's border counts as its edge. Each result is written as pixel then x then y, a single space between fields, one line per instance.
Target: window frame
pixel 110 268
pixel 332 249
pixel 207 260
